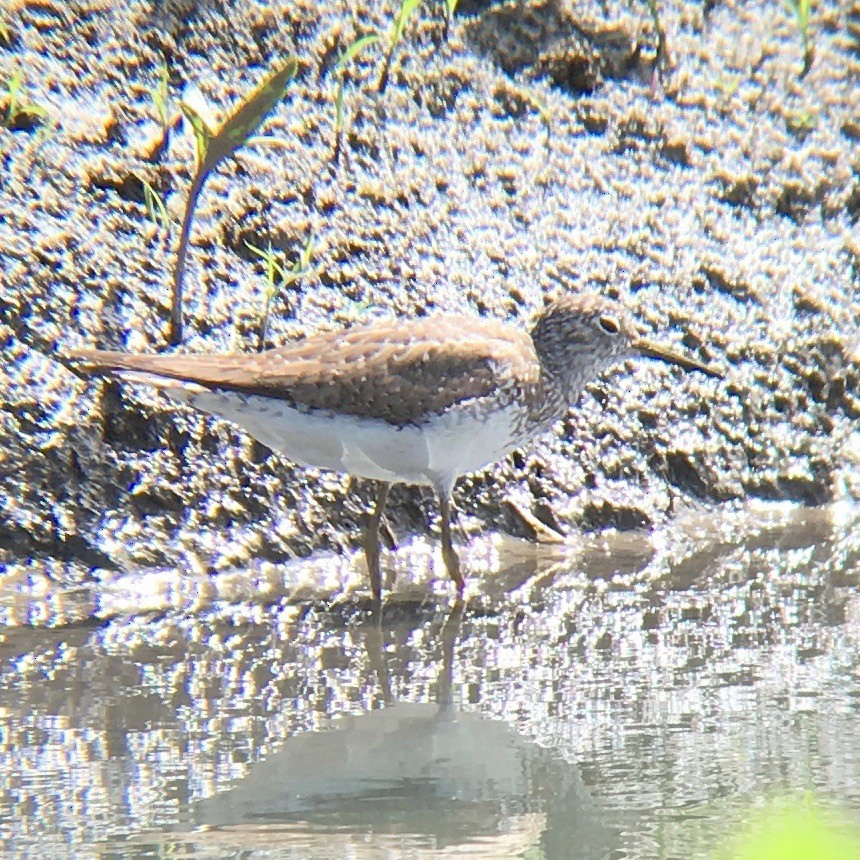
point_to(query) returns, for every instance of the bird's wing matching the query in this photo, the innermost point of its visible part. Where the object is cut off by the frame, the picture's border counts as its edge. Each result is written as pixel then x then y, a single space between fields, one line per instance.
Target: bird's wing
pixel 397 370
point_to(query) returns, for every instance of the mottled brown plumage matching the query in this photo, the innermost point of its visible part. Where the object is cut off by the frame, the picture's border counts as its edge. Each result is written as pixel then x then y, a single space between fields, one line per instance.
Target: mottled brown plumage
pixel 398 371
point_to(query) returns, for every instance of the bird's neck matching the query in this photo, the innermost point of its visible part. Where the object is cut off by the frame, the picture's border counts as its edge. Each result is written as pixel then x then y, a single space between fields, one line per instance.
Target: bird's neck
pixel 549 403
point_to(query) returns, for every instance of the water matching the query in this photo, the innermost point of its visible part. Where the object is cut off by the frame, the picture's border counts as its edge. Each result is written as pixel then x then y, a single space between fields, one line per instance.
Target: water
pixel 629 699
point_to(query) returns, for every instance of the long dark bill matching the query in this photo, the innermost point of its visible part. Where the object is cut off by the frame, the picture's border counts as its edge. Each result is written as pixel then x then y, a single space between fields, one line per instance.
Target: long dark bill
pixel 665 353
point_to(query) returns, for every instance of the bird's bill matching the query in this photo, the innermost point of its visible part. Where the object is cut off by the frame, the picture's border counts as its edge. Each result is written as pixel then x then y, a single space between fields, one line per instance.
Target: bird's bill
pixel 665 353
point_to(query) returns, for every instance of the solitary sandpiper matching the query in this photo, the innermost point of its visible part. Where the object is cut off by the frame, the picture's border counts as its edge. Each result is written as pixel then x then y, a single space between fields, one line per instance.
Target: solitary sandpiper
pixel 418 401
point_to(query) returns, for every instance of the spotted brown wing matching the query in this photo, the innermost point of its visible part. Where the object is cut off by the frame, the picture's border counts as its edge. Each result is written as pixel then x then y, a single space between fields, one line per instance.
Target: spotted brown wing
pixel 395 370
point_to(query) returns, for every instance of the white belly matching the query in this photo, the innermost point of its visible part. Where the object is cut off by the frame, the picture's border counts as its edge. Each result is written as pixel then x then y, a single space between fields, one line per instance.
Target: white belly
pixel 436 453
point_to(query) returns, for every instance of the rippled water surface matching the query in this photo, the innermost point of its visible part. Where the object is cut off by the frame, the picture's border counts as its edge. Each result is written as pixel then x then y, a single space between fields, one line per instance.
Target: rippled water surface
pixel 628 698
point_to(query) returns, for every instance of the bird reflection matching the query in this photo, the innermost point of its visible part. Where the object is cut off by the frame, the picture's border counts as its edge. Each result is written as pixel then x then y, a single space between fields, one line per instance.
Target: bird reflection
pixel 425 775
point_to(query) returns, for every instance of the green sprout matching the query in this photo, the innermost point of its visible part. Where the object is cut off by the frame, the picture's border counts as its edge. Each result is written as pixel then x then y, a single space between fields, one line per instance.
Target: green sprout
pixel 346 57
pixel 407 7
pixel 5 33
pixel 158 93
pixel 801 10
pixel 17 111
pixel 155 208
pixel 215 142
pixel 801 121
pixel 450 9
pixel 277 277
pixel 728 85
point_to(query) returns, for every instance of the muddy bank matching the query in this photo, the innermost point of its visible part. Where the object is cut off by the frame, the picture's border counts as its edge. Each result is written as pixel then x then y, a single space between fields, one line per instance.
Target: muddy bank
pixel 718 199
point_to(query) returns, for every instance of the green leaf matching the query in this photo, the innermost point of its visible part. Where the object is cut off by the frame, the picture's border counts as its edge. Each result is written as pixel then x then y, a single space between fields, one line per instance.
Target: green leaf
pixel 202 134
pixel 214 145
pixel 13 87
pixel 155 207
pixel 158 93
pixel 248 116
pixel 407 7
pixel 354 50
pixel 451 7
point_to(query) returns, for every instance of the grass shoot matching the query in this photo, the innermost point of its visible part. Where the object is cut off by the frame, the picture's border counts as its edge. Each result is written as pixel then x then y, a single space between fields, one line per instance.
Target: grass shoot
pixel 407 7
pixel 155 208
pixel 215 142
pixel 277 277
pixel 345 58
pixel 801 9
pixel 158 94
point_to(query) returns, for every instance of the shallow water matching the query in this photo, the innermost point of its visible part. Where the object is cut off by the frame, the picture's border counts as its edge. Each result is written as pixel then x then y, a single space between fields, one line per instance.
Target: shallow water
pixel 630 698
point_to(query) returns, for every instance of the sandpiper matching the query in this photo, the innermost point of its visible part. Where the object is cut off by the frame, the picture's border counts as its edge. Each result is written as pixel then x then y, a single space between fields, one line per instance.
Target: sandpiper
pixel 418 401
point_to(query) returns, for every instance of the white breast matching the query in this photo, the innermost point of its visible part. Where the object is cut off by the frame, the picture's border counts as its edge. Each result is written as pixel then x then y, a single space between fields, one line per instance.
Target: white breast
pixel 435 453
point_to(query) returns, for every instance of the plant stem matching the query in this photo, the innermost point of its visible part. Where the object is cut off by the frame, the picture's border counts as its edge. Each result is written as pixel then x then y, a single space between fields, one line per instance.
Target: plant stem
pixel 181 253
pixel 264 325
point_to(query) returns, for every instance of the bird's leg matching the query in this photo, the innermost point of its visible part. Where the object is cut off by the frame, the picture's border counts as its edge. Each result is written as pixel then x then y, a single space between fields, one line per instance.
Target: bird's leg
pixel 449 555
pixel 387 534
pixel 374 643
pixel 371 540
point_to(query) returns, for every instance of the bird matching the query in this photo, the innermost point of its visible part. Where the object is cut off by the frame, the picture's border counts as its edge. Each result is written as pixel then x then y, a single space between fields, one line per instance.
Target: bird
pixel 419 401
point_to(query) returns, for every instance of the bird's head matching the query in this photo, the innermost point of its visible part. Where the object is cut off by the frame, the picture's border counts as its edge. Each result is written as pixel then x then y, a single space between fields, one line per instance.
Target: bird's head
pixel 577 337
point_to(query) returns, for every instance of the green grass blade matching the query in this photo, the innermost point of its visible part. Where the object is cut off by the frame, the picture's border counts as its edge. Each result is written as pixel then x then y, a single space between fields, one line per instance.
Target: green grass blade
pixel 181 254
pixel 268 256
pixel 354 50
pixel 407 7
pixel 346 57
pixel 13 87
pixel 158 94
pixel 155 208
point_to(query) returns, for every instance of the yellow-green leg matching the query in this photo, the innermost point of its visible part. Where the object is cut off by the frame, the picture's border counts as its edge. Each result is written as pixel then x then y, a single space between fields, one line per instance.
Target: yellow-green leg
pixel 449 554
pixel 371 541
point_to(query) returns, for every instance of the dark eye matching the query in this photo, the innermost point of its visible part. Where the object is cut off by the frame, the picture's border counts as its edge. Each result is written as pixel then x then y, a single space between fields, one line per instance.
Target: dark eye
pixel 608 324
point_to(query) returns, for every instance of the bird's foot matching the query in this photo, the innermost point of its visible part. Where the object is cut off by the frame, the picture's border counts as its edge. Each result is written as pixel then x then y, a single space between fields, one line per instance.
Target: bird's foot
pixel 452 566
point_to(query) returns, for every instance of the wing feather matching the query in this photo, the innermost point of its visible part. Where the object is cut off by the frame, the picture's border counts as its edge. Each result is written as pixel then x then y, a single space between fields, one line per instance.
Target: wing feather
pixel 397 370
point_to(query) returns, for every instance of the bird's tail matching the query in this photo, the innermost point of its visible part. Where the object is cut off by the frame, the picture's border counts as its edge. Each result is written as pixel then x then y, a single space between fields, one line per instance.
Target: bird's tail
pixel 152 370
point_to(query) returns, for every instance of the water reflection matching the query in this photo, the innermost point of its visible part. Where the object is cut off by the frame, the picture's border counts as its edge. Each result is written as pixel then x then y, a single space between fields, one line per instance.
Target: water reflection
pixel 628 702
pixel 429 776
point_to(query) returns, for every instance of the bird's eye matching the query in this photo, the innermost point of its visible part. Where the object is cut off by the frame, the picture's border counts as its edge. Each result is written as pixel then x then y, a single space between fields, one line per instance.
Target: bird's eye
pixel 608 324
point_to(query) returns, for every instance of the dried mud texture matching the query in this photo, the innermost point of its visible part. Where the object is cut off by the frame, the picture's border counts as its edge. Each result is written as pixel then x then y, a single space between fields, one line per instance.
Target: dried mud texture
pixel 543 145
